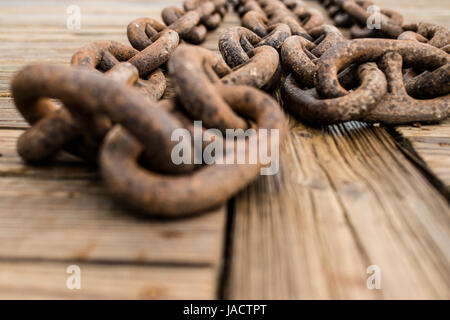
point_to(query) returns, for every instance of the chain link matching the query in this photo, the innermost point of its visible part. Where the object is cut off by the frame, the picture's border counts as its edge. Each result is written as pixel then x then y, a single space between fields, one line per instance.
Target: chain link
pixel 329 79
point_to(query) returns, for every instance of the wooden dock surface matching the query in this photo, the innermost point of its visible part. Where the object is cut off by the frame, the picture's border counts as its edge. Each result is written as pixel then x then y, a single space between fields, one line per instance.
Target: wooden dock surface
pixel 346 197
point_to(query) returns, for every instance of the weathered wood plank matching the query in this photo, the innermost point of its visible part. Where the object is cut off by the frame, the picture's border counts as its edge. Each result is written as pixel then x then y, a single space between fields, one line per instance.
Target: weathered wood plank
pixel 343 200
pixel 47 280
pixel 79 220
pixel 61 214
pixel 435 11
pixel 432 145
pixel 346 198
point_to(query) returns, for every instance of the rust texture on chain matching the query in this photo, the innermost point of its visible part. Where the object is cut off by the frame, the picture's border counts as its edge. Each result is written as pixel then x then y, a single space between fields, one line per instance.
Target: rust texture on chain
pixel 54 128
pixel 329 79
pixel 209 185
pixel 108 109
pixel 153 43
pixel 356 14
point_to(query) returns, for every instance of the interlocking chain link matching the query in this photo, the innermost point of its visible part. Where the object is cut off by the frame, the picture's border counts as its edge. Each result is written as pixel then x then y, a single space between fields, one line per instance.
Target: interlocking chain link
pixel 329 79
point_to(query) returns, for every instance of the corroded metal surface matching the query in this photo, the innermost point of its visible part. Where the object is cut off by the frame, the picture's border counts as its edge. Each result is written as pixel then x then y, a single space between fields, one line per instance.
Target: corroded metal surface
pixel 209 186
pixel 323 80
pixel 55 128
pixel 365 50
pixel 398 106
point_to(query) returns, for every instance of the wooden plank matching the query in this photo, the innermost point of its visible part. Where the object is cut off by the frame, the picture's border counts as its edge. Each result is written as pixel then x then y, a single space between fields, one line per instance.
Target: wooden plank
pixel 345 198
pixel 429 146
pixel 9 116
pixel 60 214
pixel 47 280
pixel 78 220
pixel 63 167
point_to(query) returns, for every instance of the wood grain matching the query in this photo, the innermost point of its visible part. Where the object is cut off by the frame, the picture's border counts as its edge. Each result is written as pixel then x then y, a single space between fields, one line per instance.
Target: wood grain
pixel 346 198
pixel 78 220
pixel 431 144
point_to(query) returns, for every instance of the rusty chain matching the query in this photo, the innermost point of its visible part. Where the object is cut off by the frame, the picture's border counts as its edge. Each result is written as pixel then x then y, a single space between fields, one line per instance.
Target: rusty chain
pixel 110 114
pixel 110 110
pixel 330 79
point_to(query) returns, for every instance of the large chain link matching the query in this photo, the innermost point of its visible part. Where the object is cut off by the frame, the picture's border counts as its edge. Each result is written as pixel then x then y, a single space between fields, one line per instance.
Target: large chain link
pixel 110 114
